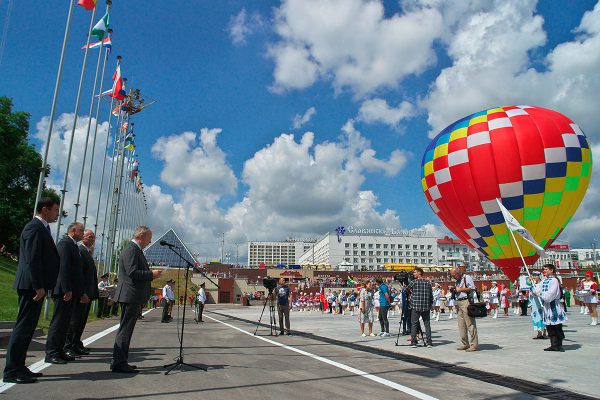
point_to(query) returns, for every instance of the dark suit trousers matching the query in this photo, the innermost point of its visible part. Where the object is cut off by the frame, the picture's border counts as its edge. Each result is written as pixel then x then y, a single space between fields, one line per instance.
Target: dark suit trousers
pixel 76 325
pixel 101 306
pixel 57 332
pixel 129 316
pixel 20 338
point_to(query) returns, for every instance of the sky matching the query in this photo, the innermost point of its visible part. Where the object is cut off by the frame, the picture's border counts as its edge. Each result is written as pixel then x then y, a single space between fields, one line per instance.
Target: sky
pixel 288 119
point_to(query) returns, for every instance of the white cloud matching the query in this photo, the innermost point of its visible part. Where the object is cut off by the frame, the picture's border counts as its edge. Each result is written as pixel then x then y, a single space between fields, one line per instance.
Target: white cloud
pixel 352 43
pixel 301 120
pixel 379 111
pixel 496 68
pixel 242 25
pixel 191 164
pixel 58 156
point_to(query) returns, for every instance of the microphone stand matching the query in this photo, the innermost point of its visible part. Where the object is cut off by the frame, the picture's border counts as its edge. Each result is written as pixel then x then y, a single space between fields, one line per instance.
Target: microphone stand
pixel 179 360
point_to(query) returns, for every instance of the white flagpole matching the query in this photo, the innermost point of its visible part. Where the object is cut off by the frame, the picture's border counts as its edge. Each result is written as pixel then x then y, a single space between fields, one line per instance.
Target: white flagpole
pixel 64 189
pixel 89 126
pixel 40 188
pixel 89 183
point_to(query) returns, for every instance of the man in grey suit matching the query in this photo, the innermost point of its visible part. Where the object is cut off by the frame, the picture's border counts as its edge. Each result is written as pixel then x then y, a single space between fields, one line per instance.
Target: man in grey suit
pixel 69 290
pixel 133 290
pixel 36 273
pixel 81 310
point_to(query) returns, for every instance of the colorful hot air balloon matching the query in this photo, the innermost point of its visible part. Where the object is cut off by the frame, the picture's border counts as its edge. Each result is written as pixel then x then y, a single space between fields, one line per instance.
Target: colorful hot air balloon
pixel 536 161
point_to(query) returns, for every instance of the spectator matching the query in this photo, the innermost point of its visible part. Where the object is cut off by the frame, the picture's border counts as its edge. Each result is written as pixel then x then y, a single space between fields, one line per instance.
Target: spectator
pixel 422 301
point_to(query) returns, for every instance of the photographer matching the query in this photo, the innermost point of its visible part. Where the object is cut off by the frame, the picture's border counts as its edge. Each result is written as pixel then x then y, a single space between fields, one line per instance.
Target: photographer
pixel 284 300
pixel 463 291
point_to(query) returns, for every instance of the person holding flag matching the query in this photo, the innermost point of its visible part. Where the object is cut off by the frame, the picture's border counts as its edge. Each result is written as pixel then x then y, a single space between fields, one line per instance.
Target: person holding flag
pixel 553 314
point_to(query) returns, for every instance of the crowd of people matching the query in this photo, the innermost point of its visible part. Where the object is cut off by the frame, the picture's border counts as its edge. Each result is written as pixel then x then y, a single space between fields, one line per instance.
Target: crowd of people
pixel 421 300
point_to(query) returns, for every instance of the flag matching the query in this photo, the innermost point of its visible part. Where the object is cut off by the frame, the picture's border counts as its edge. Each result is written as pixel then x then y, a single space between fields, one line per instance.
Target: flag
pixel 129 147
pixel 124 128
pixel 515 226
pixel 87 4
pixel 119 109
pixel 324 301
pixel 106 43
pixel 99 30
pixel 118 90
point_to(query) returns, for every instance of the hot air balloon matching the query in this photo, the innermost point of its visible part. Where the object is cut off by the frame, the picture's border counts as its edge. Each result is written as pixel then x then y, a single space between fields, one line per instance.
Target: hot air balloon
pixel 536 161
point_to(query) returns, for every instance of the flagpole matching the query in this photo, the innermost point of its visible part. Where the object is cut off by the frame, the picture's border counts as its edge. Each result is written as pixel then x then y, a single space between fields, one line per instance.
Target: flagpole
pixel 64 189
pixel 40 187
pixel 89 125
pixel 113 180
pixel 518 249
pixel 102 178
pixel 89 183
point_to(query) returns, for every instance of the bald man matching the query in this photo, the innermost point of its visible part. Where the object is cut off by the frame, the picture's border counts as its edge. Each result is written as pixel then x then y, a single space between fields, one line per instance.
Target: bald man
pixel 466 324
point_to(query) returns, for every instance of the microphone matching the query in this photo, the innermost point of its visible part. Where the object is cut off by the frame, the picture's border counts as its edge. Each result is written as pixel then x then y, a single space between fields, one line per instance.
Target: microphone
pixel 165 243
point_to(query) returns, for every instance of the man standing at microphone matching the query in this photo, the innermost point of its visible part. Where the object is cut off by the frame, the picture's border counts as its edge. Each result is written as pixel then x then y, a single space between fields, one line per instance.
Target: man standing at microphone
pixel 133 290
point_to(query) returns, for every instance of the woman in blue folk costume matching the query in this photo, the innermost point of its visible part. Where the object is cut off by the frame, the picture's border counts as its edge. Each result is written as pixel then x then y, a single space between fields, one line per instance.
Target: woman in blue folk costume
pixel 537 310
pixel 553 313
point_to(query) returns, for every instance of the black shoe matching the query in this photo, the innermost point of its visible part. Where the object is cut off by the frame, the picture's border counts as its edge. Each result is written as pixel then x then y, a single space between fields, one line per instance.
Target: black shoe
pixel 288 333
pixel 132 366
pixel 19 379
pixel 282 333
pixel 31 374
pixel 54 360
pixel 70 354
pixel 165 322
pixel 81 351
pixel 552 348
pixel 124 369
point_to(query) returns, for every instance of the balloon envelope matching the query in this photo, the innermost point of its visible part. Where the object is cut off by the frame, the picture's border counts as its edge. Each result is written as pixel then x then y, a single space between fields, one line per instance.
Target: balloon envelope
pixel 535 160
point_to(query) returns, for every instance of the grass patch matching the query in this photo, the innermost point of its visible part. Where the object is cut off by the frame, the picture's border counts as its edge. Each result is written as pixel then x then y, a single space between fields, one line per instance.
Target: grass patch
pixel 10 300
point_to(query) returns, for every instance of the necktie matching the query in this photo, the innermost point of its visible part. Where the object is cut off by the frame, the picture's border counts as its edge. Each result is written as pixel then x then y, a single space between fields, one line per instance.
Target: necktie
pixel 49 230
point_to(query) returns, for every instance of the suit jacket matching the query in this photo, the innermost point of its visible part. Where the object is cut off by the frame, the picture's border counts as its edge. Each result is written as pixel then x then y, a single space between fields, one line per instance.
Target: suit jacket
pixel 70 276
pixel 38 258
pixel 90 273
pixel 134 276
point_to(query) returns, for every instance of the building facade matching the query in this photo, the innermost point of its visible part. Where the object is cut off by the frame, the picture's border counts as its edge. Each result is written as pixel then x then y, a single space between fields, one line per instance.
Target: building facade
pixel 272 254
pixel 365 249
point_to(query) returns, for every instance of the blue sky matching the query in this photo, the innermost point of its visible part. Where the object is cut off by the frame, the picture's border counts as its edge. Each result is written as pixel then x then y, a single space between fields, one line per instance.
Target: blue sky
pixel 374 80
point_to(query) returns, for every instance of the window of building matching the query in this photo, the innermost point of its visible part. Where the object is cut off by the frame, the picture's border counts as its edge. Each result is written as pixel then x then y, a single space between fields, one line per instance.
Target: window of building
pixel 370 245
pixel 393 246
pixel 354 245
pixel 385 246
pixel 428 247
pixel 363 253
pixel 347 252
pixel 377 246
pixel 407 246
pixel 385 253
pixel 371 252
pixel 422 247
pixel 362 245
pixel 347 245
pixel 415 247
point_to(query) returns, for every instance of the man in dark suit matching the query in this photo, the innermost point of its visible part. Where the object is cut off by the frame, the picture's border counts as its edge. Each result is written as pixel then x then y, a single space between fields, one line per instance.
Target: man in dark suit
pixel 133 290
pixel 69 290
pixel 36 273
pixel 82 310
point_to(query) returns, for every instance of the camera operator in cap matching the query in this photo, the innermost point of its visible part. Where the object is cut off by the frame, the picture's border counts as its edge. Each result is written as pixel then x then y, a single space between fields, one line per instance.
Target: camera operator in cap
pixel 464 289
pixel 284 301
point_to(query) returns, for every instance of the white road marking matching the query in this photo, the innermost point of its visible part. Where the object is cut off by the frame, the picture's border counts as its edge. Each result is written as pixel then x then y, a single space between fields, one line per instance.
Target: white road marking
pixel 41 364
pixel 393 385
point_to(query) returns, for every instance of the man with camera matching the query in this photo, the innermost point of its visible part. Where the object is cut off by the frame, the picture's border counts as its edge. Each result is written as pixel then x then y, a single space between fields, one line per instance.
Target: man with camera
pixel 284 300
pixel 463 291
pixel 422 300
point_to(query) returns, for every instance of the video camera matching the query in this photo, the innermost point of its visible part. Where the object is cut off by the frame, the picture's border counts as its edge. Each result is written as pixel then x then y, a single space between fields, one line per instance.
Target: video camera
pixel 403 277
pixel 270 283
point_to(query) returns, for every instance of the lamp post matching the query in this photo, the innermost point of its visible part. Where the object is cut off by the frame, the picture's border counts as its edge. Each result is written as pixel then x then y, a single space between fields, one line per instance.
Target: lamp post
pixel 594 250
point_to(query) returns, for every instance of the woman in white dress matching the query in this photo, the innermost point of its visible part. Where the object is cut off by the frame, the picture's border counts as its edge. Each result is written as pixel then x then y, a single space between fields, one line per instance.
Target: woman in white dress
pixel 438 292
pixel 590 288
pixel 494 299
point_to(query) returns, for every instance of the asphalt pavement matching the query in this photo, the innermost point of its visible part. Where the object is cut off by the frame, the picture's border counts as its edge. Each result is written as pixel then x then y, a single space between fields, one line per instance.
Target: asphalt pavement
pixel 325 357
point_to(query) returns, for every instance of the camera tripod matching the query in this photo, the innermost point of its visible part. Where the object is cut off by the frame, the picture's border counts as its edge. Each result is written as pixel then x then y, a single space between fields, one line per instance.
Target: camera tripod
pixel 272 316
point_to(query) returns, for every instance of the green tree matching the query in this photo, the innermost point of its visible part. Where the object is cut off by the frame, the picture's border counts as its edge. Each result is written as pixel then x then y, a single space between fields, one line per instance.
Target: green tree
pixel 20 167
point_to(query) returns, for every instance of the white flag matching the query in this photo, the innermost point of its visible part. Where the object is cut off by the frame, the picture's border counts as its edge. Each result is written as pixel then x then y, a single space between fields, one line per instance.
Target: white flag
pixel 515 226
